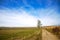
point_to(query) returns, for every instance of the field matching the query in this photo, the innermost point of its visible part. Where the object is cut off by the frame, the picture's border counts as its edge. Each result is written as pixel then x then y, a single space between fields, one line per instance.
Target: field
pixel 54 29
pixel 20 33
pixel 32 33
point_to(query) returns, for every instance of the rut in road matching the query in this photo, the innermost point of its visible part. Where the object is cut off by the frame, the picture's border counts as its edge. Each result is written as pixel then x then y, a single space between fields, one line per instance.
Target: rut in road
pixel 48 36
pixel 36 36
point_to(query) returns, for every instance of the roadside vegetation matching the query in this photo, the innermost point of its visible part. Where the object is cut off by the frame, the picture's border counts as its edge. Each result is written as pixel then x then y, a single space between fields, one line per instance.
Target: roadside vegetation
pixel 54 29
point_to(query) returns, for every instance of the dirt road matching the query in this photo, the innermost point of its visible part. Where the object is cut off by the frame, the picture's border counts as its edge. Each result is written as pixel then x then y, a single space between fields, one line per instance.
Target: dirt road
pixel 48 36
pixel 43 35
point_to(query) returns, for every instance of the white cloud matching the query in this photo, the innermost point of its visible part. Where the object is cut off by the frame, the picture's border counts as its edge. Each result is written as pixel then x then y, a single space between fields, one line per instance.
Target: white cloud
pixel 19 17
pixel 49 16
pixel 16 18
pixel 48 21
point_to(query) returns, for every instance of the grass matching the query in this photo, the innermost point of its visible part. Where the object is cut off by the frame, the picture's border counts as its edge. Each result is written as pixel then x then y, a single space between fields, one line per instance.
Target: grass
pixel 16 33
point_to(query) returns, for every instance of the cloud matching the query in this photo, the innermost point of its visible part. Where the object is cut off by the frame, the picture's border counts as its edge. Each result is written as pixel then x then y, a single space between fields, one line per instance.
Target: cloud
pixel 16 18
pixel 21 17
pixel 49 16
pixel 24 13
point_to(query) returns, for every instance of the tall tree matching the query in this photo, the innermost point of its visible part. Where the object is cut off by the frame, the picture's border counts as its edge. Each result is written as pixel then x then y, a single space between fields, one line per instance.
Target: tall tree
pixel 39 24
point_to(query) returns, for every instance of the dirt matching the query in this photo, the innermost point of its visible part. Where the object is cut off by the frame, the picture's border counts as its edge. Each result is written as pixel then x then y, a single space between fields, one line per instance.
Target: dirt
pixel 48 36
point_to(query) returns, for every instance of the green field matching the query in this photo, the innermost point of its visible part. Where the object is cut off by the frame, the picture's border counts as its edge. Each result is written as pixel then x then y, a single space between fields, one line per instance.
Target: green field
pixel 18 33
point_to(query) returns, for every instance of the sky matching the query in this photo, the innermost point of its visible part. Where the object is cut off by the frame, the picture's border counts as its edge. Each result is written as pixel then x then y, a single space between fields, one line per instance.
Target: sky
pixel 26 13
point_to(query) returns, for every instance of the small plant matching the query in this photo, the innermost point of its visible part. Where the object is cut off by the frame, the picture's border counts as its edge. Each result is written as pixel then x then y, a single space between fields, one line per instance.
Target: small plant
pixel 56 30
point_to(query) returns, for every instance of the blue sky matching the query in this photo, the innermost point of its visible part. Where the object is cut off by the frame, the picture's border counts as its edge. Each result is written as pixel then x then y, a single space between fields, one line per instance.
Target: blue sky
pixel 27 12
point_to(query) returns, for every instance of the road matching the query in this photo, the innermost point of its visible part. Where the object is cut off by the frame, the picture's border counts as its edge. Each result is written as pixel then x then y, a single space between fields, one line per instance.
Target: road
pixel 48 36
pixel 45 35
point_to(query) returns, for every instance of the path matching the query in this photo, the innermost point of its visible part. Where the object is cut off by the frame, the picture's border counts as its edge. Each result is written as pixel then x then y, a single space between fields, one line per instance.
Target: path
pixel 48 36
pixel 45 35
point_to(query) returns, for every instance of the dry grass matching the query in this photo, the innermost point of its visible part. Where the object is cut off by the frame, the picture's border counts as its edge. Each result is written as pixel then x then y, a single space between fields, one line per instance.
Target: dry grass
pixel 54 29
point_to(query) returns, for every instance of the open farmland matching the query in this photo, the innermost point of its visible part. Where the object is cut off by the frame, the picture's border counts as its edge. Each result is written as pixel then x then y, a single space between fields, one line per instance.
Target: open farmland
pixel 32 33
pixel 20 33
